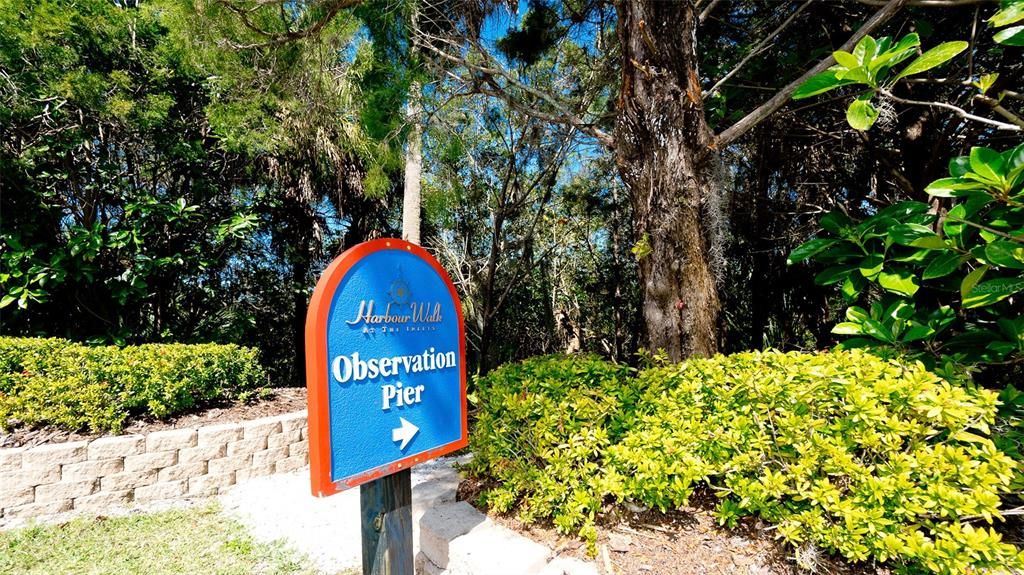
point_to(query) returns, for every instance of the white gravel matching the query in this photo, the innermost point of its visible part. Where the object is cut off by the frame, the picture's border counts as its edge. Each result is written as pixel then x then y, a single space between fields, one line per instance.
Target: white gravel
pixel 280 507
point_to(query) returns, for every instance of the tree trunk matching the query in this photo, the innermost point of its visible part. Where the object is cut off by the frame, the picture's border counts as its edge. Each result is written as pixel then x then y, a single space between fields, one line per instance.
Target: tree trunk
pixel 661 148
pixel 413 167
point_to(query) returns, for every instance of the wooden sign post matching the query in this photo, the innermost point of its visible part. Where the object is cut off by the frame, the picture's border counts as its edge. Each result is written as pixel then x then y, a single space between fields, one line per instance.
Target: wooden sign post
pixel 385 369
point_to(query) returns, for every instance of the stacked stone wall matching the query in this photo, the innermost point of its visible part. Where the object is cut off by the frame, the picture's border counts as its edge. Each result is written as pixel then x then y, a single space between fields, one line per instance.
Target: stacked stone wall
pixel 172 464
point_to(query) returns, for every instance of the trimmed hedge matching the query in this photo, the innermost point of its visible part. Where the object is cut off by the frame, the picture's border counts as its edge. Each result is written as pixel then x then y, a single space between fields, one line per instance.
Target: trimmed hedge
pixel 844 451
pixel 78 387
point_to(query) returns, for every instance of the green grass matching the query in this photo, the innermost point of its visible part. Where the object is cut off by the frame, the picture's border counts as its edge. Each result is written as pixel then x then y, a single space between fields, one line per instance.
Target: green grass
pixel 190 541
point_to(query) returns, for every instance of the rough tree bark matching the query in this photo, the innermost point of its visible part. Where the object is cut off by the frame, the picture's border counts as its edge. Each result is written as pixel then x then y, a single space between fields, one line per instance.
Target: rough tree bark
pixel 661 147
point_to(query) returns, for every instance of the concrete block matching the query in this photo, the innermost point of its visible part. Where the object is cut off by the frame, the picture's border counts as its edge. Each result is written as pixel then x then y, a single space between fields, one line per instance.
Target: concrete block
pixel 171 439
pixel 441 525
pixel 103 500
pixel 147 461
pixel 260 428
pixel 261 458
pixel 10 457
pixel 289 464
pixel 424 566
pixel 13 496
pixel 247 446
pixel 159 491
pixel 113 447
pixel 210 484
pixel 84 470
pixel 65 490
pixel 254 471
pixel 202 453
pixel 38 509
pixel 495 550
pixel 71 452
pixel 228 464
pixel 30 476
pixel 299 448
pixel 283 439
pixel 219 434
pixel 182 471
pixel 569 566
pixel 128 480
pixel 292 421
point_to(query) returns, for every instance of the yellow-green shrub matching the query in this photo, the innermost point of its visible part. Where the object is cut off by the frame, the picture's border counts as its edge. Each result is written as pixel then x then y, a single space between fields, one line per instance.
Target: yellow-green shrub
pixel 541 432
pixel 77 387
pixel 869 458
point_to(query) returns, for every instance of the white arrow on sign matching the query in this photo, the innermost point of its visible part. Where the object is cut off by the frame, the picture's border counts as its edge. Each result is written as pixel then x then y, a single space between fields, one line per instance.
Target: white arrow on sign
pixel 404 433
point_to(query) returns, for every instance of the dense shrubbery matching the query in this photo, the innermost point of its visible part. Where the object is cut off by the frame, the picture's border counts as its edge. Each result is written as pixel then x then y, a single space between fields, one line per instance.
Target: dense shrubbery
pixel 57 382
pixel 869 458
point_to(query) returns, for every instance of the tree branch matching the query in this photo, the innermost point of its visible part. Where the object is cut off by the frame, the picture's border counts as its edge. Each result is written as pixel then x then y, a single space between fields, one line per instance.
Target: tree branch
pixel 330 10
pixel 932 3
pixel 757 49
pixel 492 70
pixel 706 11
pixel 956 110
pixel 782 96
pixel 999 109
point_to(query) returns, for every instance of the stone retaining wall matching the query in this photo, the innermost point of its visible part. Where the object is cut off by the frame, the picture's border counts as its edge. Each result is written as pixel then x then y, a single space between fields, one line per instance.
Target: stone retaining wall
pixel 172 464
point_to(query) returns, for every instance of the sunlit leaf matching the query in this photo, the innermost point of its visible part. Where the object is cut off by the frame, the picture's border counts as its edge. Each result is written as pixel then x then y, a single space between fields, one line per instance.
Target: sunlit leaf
pixel 932 58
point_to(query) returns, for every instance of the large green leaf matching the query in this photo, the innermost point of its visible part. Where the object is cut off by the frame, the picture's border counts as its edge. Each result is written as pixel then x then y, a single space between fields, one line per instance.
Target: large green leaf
pixel 971 280
pixel 846 59
pixel 875 329
pixel 808 249
pixel 943 265
pixel 861 114
pixel 865 49
pixel 819 84
pixel 899 281
pixel 1005 254
pixel 932 58
pixel 871 265
pixel 992 291
pixel 1011 36
pixel 1010 14
pixel 917 332
pixel 987 163
pixel 856 314
pixel 836 222
pixel 953 226
pixel 959 166
pixel 1014 158
pixel 833 275
pixel 906 48
pixel 916 235
pixel 952 187
pixel 852 286
pixel 847 328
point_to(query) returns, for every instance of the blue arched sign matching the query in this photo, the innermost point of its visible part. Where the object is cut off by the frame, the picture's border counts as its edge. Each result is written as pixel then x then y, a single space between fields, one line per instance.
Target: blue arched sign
pixel 385 365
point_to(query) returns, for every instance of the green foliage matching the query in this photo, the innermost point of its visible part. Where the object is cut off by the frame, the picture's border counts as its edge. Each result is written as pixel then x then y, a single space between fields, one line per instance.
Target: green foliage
pixel 542 431
pixel 869 458
pixel 873 459
pixel 939 287
pixel 1010 12
pixel 538 33
pixel 871 66
pixel 76 387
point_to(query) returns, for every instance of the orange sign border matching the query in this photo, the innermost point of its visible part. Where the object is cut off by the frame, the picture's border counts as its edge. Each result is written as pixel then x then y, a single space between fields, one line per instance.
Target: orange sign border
pixel 318 405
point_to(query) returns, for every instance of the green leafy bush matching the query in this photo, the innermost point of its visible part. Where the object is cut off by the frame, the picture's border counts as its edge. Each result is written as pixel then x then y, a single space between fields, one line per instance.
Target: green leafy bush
pixel 870 458
pixel 542 431
pixel 942 286
pixel 57 382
